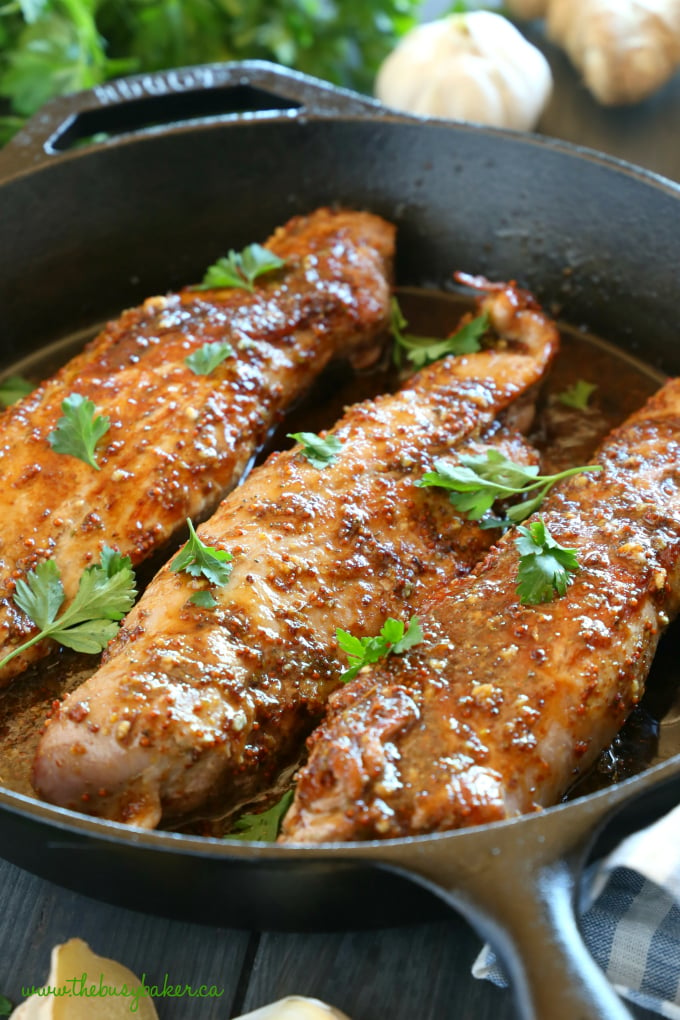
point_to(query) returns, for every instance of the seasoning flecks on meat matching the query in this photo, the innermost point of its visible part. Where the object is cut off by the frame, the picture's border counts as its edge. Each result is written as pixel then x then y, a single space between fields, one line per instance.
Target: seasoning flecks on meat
pixel 178 440
pixel 199 710
pixel 504 705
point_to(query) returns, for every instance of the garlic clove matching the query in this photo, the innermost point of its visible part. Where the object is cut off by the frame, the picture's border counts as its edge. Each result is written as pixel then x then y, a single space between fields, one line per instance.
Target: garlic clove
pixel 74 965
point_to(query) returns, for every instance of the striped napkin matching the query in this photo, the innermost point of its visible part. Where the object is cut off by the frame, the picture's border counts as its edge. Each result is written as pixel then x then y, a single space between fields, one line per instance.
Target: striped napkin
pixel 632 921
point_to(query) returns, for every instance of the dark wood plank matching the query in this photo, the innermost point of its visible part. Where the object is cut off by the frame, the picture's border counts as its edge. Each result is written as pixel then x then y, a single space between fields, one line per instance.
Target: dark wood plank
pixel 421 971
pixel 37 915
pixel 415 971
pixel 645 134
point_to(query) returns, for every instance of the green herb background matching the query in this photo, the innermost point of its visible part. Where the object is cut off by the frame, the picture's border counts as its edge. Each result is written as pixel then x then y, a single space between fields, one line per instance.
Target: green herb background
pixel 51 47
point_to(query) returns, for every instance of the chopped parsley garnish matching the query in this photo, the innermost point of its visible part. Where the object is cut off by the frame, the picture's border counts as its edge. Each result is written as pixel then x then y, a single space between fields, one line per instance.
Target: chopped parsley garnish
pixel 206 359
pixel 577 395
pixel 79 430
pixel 477 482
pixel 197 558
pixel 263 827
pixel 423 350
pixel 319 452
pixel 13 388
pixel 241 269
pixel 393 639
pixel 106 592
pixel 545 567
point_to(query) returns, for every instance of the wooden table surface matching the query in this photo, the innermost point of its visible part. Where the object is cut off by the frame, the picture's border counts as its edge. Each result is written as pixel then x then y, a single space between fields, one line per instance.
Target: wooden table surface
pixel 420 971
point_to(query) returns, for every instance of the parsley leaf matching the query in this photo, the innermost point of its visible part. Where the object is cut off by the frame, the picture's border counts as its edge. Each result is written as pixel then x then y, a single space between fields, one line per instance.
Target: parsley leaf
pixel 240 269
pixel 198 559
pixel 13 388
pixel 544 566
pixel 206 359
pixel 5 1006
pixel 41 594
pixel 106 592
pixel 79 430
pixel 264 826
pixel 204 599
pixel 577 395
pixel 423 350
pixel 319 452
pixel 393 638
pixel 477 482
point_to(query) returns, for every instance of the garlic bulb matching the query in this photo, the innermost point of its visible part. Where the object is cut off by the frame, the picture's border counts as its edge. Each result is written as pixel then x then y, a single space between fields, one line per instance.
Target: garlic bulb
pixel 475 67
pixel 625 49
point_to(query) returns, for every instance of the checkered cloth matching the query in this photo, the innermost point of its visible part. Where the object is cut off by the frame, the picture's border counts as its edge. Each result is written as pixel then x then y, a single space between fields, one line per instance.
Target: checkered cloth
pixel 632 925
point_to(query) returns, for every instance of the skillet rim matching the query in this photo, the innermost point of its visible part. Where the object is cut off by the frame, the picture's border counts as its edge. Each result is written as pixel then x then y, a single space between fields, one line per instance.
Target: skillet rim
pixel 608 799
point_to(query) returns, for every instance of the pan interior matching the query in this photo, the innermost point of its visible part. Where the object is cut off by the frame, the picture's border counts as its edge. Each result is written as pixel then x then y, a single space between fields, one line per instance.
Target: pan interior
pixel 652 733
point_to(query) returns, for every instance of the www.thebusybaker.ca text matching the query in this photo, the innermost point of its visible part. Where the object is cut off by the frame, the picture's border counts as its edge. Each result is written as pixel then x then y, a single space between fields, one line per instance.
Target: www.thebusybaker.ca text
pixel 83 987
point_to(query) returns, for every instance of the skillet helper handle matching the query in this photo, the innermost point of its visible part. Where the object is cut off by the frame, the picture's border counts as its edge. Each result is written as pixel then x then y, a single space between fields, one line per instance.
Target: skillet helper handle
pixel 171 100
pixel 516 884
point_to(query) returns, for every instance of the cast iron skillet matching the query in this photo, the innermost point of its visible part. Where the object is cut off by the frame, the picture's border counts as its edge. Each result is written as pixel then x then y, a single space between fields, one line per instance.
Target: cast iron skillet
pixel 131 189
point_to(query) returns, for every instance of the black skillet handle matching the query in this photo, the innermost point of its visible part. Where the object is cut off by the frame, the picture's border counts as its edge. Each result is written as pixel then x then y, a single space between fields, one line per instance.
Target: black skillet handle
pixel 516 883
pixel 169 100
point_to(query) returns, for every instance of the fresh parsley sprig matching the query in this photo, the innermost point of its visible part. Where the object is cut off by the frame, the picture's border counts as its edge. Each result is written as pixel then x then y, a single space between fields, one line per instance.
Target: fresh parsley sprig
pixel 545 566
pixel 13 388
pixel 423 350
pixel 197 558
pixel 319 452
pixel 263 827
pixel 79 430
pixel 106 592
pixel 577 395
pixel 477 482
pixel 240 269
pixel 206 359
pixel 393 639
